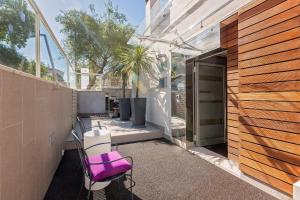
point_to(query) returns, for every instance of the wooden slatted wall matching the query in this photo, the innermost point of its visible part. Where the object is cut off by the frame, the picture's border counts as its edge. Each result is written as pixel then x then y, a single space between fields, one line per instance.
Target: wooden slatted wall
pixel 229 41
pixel 269 98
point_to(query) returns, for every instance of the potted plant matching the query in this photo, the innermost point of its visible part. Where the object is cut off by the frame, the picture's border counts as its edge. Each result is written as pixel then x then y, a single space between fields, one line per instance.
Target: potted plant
pixel 118 70
pixel 136 60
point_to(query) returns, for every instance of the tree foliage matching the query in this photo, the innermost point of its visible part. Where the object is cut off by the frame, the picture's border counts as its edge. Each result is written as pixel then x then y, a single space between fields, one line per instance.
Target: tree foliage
pixel 16 23
pixel 135 60
pixel 92 40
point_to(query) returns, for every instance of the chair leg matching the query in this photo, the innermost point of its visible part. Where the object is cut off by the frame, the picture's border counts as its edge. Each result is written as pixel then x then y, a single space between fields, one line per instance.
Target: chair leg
pixel 81 186
pixel 89 192
pixel 131 184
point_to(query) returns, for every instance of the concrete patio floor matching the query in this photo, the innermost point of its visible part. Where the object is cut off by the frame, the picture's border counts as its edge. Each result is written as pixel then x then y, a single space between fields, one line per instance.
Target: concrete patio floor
pixel 162 171
pixel 121 131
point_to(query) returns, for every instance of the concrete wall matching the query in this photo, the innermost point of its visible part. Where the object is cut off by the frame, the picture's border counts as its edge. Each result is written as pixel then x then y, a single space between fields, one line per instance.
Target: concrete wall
pixel 117 92
pixel 91 102
pixel 158 109
pixel 35 118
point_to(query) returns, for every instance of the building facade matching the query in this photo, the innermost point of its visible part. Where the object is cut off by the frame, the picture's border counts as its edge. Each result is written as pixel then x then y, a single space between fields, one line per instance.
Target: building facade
pixel 231 77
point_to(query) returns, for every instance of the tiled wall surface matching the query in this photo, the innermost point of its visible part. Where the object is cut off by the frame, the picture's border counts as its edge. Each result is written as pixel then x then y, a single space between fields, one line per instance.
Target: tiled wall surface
pixel 35 117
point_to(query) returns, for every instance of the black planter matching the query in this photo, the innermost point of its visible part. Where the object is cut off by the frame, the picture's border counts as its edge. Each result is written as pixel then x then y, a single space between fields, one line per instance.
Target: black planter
pixel 138 111
pixel 124 104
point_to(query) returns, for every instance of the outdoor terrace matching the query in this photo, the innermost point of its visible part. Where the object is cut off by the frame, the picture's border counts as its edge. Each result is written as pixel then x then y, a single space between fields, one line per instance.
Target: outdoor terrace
pixel 161 171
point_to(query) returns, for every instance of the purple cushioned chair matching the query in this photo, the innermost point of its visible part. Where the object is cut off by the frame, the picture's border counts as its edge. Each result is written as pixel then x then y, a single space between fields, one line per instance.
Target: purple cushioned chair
pixel 104 167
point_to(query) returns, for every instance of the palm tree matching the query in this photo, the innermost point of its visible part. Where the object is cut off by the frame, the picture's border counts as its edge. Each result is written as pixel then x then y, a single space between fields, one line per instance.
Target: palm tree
pixel 118 71
pixel 136 60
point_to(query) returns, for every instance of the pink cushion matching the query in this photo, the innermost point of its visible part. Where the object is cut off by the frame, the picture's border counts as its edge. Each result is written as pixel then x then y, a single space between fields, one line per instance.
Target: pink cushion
pixel 102 171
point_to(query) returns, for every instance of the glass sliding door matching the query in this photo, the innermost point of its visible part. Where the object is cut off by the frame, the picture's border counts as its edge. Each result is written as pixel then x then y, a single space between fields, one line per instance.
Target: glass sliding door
pixel 209 100
pixel 178 96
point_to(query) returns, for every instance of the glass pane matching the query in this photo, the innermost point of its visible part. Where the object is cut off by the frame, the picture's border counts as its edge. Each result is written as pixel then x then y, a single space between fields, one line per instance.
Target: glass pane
pixel 17 35
pixel 53 62
pixel 73 78
pixel 178 96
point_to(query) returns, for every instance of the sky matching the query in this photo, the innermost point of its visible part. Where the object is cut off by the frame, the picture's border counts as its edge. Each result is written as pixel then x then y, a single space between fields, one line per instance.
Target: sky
pixel 133 9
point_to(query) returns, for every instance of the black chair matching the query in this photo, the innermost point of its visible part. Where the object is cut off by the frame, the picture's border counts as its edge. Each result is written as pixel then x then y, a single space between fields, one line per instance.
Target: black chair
pixel 105 167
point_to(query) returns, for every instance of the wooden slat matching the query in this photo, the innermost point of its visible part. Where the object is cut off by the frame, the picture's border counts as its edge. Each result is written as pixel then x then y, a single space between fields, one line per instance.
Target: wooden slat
pixel 233 137
pixel 233 157
pixel 275 106
pixel 230 20
pixel 232 63
pixel 270 49
pixel 278 38
pixel 272 153
pixel 249 6
pixel 233 90
pixel 274 115
pixel 288 178
pixel 271 87
pixel 270 96
pixel 233 151
pixel 232 76
pixel 275 144
pixel 229 29
pixel 269 93
pixel 233 130
pixel 271 124
pixel 231 101
pixel 291 13
pixel 277 135
pixel 274 58
pixel 233 116
pixel 233 110
pixel 259 8
pixel 230 43
pixel 278 164
pixel 225 38
pixel 233 123
pixel 268 13
pixel 231 70
pixel 231 51
pixel 287 188
pixel 233 83
pixel 233 56
pixel 272 77
pixel 229 40
pixel 271 68
pixel 233 144
pixel 276 29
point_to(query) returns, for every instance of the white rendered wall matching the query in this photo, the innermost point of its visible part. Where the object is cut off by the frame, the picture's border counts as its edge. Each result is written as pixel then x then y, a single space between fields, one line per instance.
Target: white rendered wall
pixel 158 109
pixel 158 99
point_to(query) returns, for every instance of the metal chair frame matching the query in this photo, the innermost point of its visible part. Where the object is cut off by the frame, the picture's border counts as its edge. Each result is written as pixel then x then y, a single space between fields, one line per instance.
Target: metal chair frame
pixel 87 170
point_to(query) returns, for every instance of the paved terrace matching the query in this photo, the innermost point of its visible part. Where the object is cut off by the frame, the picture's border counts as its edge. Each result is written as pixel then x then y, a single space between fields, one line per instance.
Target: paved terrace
pixel 121 131
pixel 161 171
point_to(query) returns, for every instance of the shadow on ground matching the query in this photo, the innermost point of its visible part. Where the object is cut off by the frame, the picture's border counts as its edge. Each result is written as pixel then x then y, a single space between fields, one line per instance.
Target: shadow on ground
pixel 162 171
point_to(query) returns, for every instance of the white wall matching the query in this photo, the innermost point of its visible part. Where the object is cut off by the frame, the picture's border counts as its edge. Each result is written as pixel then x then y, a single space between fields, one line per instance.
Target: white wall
pixel 158 109
pixel 159 100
